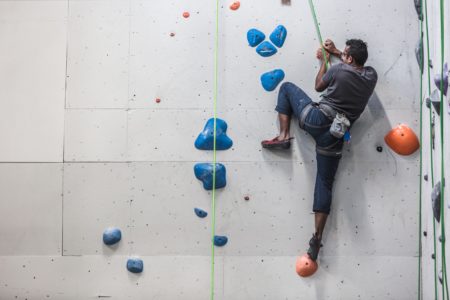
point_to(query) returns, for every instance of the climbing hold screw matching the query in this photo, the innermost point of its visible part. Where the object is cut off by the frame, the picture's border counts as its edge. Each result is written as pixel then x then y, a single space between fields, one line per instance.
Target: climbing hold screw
pixel 433 256
pixel 424 233
pixel 246 198
pixel 425 177
pixel 172 34
pixel 379 149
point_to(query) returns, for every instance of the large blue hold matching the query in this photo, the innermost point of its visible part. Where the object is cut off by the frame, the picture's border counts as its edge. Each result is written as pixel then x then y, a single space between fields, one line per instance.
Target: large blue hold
pixel 112 236
pixel 220 241
pixel 270 80
pixel 278 36
pixel 200 213
pixel 205 140
pixel 266 49
pixel 204 172
pixel 255 37
pixel 135 265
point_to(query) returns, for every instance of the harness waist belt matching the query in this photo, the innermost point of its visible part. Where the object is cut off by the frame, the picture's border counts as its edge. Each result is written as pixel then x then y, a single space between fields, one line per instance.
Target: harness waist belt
pixel 328 111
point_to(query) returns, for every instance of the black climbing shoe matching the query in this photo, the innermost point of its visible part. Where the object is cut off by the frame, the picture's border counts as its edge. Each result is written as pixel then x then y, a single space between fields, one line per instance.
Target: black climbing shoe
pixel 314 247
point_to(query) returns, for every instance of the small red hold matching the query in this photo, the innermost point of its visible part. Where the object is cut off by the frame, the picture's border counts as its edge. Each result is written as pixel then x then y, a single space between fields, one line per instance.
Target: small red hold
pixel 235 5
pixel 186 14
pixel 157 100
pixel 172 34
pixel 246 198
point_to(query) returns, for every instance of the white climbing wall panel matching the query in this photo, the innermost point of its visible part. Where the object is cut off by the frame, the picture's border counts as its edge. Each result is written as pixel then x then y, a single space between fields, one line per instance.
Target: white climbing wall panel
pixel 86 146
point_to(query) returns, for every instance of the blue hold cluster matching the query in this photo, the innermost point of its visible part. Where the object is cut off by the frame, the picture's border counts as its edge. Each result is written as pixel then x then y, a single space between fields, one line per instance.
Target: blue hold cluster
pixel 112 236
pixel 255 37
pixel 220 241
pixel 135 265
pixel 205 140
pixel 278 36
pixel 266 49
pixel 200 213
pixel 204 173
pixel 270 80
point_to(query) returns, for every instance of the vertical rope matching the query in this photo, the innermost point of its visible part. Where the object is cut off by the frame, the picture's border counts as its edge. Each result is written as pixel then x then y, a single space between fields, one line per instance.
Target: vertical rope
pixel 443 259
pixel 419 283
pixel 425 7
pixel 213 200
pixel 319 36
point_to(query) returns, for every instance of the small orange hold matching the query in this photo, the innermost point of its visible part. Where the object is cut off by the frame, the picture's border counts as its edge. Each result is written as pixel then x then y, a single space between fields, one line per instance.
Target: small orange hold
pixel 235 5
pixel 186 14
pixel 157 100
pixel 305 266
pixel 402 140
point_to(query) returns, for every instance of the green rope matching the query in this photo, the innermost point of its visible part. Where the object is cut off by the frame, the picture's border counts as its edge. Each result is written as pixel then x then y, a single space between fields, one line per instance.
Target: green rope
pixel 419 283
pixel 443 260
pixel 319 36
pixel 431 144
pixel 213 201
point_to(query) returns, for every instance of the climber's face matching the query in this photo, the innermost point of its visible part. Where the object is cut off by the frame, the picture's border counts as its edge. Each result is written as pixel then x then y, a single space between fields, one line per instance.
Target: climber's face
pixel 346 58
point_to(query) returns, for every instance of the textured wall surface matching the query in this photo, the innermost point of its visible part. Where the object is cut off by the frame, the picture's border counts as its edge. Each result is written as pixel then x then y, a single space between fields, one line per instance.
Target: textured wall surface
pixel 86 146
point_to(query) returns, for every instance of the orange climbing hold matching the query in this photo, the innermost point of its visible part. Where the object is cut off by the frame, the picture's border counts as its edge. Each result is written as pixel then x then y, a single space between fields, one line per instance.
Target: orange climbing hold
pixel 402 140
pixel 235 5
pixel 186 14
pixel 305 266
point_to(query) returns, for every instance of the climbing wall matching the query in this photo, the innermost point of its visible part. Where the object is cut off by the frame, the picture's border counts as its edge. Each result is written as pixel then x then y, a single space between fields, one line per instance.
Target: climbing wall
pixel 435 153
pixel 102 102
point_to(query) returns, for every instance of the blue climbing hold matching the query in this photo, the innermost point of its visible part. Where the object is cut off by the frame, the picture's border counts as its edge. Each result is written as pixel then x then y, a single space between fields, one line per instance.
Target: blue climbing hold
pixel 266 49
pixel 112 236
pixel 255 37
pixel 270 80
pixel 200 213
pixel 220 241
pixel 437 80
pixel 135 265
pixel 205 140
pixel 278 36
pixel 204 172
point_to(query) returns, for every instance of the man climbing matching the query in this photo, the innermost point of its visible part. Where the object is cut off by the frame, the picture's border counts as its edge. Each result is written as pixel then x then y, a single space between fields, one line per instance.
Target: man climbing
pixel 348 87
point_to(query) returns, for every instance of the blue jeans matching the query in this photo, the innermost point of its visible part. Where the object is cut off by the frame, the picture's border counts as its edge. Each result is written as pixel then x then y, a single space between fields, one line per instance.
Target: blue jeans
pixel 291 101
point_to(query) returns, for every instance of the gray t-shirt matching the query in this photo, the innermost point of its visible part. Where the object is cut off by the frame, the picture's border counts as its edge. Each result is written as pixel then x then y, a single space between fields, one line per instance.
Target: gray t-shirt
pixel 349 89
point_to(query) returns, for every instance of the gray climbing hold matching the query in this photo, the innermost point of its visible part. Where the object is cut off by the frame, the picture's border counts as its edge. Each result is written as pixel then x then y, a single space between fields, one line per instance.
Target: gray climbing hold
pixel 135 265
pixel 437 80
pixel 266 49
pixel 435 100
pixel 112 236
pixel 418 6
pixel 255 37
pixel 220 241
pixel 419 53
pixel 436 201
pixel 440 276
pixel 200 213
pixel 278 36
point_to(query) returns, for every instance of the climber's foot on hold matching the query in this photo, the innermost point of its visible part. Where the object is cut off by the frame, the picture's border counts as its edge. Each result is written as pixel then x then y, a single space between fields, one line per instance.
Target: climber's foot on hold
pixel 277 143
pixel 314 247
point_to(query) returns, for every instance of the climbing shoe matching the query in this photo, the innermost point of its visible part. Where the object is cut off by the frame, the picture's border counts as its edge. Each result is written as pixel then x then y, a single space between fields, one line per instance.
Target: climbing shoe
pixel 314 247
pixel 277 144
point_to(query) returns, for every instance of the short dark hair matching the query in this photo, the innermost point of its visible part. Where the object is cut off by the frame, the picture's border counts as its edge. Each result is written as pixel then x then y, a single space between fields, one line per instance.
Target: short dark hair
pixel 358 50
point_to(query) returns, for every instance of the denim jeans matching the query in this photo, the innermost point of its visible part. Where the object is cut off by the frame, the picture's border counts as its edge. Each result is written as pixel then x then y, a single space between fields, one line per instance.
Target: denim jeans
pixel 291 101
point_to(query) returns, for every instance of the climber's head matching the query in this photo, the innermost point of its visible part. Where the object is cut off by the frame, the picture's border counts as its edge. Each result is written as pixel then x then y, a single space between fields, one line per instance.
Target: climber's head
pixel 355 52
